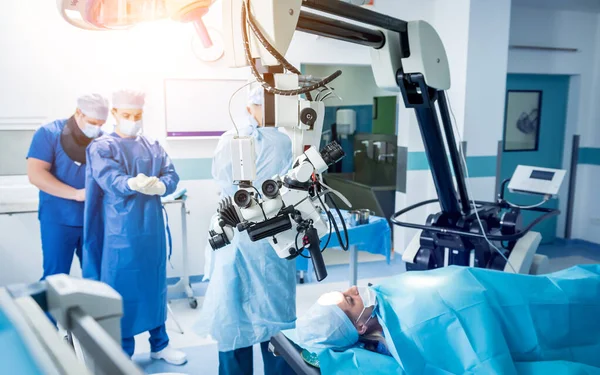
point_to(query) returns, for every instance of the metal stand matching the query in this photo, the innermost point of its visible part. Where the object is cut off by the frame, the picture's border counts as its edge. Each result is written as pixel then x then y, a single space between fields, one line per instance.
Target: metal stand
pixel 170 311
pixel 184 281
pixel 183 284
pixel 353 265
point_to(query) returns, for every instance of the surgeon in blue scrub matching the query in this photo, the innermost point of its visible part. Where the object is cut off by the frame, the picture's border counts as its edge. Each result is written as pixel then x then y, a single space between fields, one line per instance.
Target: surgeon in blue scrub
pixel 252 292
pixel 56 165
pixel 124 229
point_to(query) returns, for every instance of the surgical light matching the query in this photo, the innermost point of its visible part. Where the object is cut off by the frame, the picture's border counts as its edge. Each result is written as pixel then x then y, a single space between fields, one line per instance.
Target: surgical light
pixel 124 14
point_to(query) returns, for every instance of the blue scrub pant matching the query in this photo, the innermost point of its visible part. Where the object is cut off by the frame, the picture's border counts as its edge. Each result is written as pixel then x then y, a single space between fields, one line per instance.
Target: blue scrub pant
pixel 158 341
pixel 59 243
pixel 240 362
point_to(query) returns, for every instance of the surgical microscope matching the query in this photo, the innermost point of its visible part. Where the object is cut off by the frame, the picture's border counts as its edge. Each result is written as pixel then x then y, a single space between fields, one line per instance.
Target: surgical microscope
pixel 408 58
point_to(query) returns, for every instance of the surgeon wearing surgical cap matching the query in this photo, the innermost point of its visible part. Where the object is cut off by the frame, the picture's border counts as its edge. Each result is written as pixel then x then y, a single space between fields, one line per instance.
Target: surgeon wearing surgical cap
pixel 56 166
pixel 252 292
pixel 124 236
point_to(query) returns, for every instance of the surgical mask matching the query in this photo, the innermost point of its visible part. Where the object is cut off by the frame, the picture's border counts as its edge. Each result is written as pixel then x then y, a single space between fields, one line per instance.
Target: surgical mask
pixel 90 130
pixel 252 120
pixel 369 299
pixel 130 128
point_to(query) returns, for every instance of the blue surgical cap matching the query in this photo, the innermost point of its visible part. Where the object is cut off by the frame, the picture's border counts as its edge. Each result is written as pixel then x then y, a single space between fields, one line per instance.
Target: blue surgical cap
pixel 325 327
pixel 256 96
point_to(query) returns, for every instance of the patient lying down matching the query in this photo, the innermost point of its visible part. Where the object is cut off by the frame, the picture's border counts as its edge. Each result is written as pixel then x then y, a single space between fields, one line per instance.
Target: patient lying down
pixel 459 320
pixel 341 319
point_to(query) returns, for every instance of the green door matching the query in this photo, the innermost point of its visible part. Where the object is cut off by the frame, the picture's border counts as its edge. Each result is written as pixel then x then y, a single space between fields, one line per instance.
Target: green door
pixel 534 131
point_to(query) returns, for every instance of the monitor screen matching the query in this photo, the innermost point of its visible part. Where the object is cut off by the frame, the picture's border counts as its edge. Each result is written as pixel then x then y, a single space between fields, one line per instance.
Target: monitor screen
pixel 542 175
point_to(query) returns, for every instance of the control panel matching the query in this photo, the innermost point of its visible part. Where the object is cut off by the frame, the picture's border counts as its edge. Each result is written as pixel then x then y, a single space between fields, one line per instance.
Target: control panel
pixel 536 180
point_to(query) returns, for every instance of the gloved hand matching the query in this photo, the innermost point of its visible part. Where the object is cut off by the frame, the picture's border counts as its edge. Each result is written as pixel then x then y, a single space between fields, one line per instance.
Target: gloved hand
pixel 155 188
pixel 140 182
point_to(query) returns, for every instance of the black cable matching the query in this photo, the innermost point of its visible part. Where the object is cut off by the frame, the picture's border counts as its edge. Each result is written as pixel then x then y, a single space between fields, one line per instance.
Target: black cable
pixel 260 79
pixel 347 246
pixel 548 213
pixel 502 187
pixel 328 236
pixel 257 202
pixel 269 47
pixel 256 190
pixel 332 219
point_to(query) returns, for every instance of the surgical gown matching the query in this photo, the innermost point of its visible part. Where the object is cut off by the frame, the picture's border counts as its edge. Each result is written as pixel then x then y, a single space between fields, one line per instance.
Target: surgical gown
pixel 252 292
pixel 459 320
pixel 124 230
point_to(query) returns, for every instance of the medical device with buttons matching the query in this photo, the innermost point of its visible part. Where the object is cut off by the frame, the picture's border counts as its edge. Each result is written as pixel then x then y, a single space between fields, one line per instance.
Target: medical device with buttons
pixel 407 57
pixel 536 180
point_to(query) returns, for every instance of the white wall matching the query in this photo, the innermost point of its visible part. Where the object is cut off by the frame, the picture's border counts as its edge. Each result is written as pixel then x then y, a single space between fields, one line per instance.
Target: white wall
pixel 356 85
pixel 566 29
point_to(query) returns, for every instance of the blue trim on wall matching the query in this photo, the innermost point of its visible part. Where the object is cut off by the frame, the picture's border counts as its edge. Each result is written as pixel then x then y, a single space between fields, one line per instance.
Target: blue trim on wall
pixel 194 169
pixel 417 161
pixel 482 166
pixel 589 155
pixel 479 166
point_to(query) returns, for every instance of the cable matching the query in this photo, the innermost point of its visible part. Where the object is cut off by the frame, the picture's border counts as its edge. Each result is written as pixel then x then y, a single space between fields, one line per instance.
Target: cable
pixel 345 246
pixel 503 187
pixel 257 202
pixel 261 208
pixel 269 47
pixel 256 190
pixel 469 190
pixel 270 89
pixel 230 99
pixel 329 235
pixel 546 199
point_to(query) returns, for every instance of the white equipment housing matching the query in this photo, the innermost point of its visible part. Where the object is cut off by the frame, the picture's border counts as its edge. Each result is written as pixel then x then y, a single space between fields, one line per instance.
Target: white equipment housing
pixel 90 308
pixel 536 180
pixel 96 299
pixel 427 55
pixel 243 159
pixel 287 116
pixel 277 20
pixel 345 122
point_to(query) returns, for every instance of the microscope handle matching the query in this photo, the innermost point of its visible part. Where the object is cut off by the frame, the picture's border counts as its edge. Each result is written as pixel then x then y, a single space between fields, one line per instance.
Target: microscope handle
pixel 315 254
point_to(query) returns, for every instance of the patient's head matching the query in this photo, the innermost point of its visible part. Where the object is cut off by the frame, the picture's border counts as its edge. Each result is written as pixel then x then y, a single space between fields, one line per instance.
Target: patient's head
pixel 358 305
pixel 337 319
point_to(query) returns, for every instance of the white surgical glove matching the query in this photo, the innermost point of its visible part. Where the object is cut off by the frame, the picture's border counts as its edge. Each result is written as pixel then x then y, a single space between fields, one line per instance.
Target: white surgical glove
pixel 156 188
pixel 141 181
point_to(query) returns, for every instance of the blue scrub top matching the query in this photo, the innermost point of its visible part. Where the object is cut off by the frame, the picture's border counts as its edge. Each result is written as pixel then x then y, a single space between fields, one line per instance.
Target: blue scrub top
pixel 46 146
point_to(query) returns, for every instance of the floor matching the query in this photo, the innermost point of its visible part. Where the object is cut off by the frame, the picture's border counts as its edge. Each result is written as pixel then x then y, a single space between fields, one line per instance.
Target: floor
pixel 202 352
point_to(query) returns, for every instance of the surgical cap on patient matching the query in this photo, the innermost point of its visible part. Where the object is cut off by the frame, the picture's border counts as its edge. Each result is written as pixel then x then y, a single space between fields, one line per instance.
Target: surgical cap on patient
pixel 325 326
pixel 256 96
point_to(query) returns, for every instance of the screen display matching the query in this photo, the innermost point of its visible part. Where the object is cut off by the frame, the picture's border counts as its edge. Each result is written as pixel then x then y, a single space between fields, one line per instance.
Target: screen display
pixel 542 175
